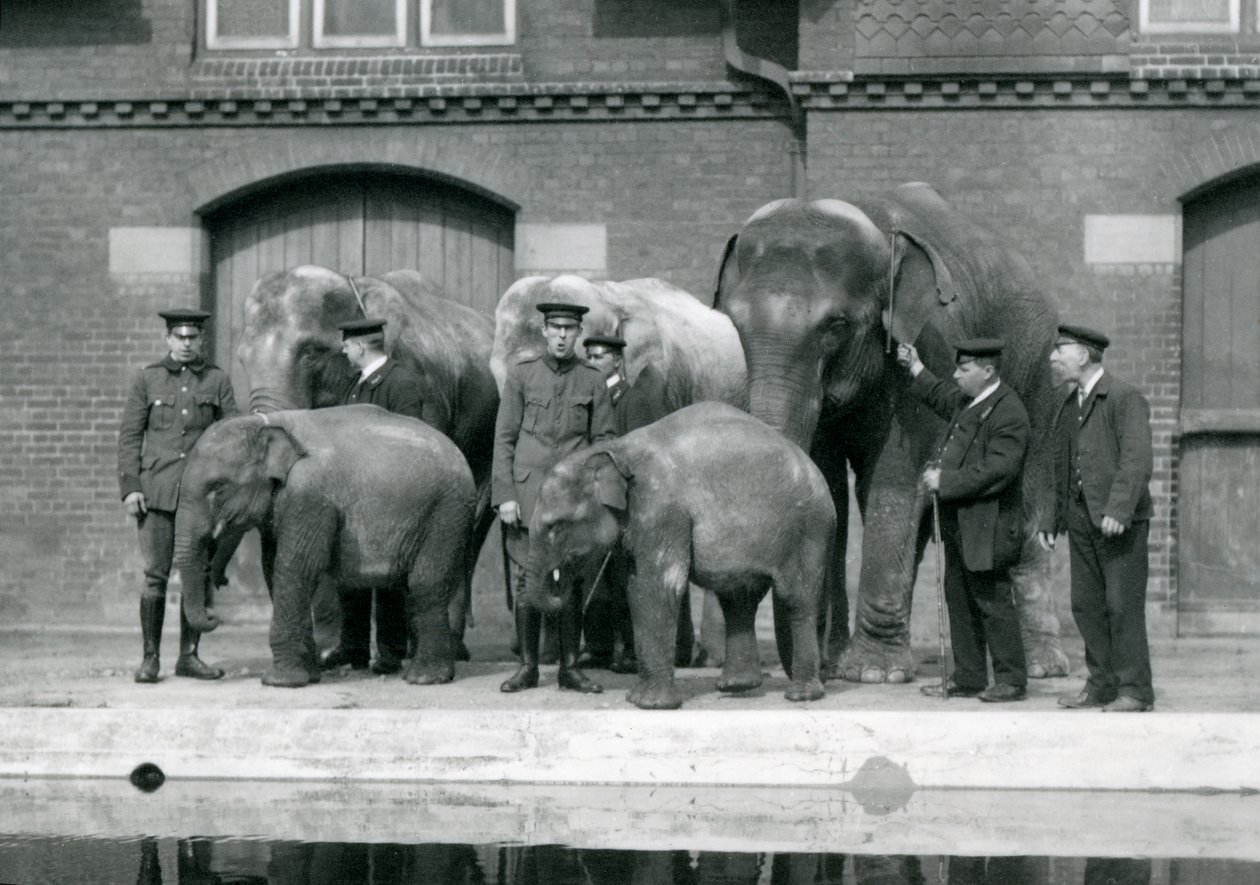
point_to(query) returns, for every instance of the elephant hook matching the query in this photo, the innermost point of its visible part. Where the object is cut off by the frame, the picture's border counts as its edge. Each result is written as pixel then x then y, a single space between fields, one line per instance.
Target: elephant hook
pixel 892 289
pixel 355 290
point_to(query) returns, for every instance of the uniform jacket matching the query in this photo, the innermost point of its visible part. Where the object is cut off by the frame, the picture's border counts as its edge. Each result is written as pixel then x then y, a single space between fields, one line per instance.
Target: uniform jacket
pixel 982 461
pixel 639 404
pixel 547 411
pixel 1114 442
pixel 393 387
pixel 169 406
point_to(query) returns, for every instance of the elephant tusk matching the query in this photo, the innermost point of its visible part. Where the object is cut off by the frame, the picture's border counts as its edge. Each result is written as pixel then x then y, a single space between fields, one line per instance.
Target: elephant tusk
pixel 555 576
pixel 218 529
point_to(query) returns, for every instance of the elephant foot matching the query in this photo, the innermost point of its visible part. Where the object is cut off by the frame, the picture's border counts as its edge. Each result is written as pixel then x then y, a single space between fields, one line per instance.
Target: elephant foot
pixel 278 678
pixel 195 668
pixel 657 695
pixel 743 680
pixel 573 679
pixel 526 676
pixel 874 662
pixel 432 673
pixel 1045 658
pixel 148 670
pixel 805 691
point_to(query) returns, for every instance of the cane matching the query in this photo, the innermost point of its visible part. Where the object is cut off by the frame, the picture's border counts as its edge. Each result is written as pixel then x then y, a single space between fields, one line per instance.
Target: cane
pixel 940 586
pixel 507 565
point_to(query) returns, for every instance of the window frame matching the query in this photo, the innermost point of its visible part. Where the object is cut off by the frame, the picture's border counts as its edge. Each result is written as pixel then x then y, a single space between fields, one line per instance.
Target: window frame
pixel 506 38
pixel 397 40
pixel 290 41
pixel 1146 26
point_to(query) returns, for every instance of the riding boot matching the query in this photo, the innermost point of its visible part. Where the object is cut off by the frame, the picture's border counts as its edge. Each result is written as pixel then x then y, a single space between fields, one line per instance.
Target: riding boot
pixel 528 634
pixel 570 677
pixel 152 615
pixel 189 664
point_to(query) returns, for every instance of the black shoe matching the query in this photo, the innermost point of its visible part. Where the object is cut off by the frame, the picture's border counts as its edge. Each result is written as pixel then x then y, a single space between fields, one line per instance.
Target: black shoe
pixel 1084 700
pixel 195 668
pixel 593 660
pixel 526 676
pixel 340 657
pixel 573 679
pixel 1002 693
pixel 386 663
pixel 148 671
pixel 1126 704
pixel 952 690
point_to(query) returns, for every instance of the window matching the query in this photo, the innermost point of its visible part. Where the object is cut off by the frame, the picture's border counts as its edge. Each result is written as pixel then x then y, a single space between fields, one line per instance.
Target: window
pixel 362 24
pixel 1189 16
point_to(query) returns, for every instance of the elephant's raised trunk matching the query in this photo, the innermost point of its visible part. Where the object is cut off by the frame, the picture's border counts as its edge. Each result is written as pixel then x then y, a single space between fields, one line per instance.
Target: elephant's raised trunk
pixel 192 549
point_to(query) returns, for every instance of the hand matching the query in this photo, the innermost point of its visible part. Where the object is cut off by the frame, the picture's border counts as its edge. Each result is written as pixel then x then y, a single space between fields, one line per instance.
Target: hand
pixel 135 504
pixel 510 513
pixel 1046 540
pixel 1111 528
pixel 932 479
pixel 908 356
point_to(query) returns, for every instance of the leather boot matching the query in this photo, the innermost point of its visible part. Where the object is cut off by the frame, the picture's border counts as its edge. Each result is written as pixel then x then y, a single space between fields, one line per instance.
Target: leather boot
pixel 189 664
pixel 570 677
pixel 152 615
pixel 528 633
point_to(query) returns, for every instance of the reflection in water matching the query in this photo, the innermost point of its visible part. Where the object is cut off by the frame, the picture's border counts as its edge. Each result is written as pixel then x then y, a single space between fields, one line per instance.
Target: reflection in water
pixel 204 861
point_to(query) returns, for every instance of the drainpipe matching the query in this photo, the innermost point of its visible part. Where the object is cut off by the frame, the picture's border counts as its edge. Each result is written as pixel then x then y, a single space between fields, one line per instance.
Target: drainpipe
pixel 772 72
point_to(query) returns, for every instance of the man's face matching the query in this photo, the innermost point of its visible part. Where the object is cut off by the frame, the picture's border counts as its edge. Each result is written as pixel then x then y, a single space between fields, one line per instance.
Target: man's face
pixel 184 343
pixel 606 359
pixel 561 334
pixel 354 350
pixel 972 377
pixel 1067 362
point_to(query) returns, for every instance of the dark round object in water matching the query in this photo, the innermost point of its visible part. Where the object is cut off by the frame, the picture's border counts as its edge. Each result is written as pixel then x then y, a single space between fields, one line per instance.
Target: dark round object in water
pixel 147 777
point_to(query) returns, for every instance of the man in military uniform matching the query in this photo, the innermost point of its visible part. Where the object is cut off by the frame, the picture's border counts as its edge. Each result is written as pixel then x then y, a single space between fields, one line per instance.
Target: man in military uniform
pixel 171 403
pixel 552 405
pixel 380 381
pixel 1102 479
pixel 606 620
pixel 978 478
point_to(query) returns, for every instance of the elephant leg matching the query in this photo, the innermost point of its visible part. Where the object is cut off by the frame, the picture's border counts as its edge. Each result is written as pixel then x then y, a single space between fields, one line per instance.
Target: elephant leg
pixel 653 610
pixel 796 611
pixel 742 668
pixel 326 614
pixel 301 558
pixel 1038 621
pixel 428 597
pixel 833 603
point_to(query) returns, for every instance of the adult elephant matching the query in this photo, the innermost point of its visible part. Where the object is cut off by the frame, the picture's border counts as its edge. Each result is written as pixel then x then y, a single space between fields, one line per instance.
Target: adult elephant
pixel 693 348
pixel 807 284
pixel 374 499
pixel 290 348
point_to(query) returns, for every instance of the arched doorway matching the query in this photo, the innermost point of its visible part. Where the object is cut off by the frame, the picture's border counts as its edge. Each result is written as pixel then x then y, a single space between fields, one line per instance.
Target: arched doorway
pixel 1218 520
pixel 363 221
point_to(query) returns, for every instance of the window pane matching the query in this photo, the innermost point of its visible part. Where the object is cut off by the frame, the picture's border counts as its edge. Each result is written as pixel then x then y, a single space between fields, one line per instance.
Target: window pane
pixel 1190 11
pixel 355 18
pixel 453 17
pixel 251 18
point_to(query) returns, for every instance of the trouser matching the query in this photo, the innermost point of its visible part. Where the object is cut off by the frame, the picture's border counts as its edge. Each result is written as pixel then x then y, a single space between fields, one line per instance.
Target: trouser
pixel 157 546
pixel 1109 604
pixel 982 615
pixel 517 543
pixel 391 621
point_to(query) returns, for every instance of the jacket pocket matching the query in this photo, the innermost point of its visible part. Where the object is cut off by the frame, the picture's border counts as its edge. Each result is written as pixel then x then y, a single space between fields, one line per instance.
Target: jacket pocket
pixel 208 410
pixel 535 408
pixel 161 414
pixel 579 414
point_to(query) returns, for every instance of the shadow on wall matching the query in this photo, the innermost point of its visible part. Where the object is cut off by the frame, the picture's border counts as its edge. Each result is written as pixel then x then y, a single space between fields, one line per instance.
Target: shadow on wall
pixel 32 23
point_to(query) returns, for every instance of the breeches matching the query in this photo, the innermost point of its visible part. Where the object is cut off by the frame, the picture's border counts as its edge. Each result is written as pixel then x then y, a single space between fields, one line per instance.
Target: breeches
pixel 157 546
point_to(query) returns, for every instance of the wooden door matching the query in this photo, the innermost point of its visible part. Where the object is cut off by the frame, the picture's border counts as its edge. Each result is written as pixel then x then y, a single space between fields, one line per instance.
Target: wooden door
pixel 1218 512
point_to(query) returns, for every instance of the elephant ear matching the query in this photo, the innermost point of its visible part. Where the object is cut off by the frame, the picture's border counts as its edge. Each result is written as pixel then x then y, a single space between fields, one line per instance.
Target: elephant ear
pixel 727 271
pixel 609 480
pixel 921 288
pixel 280 452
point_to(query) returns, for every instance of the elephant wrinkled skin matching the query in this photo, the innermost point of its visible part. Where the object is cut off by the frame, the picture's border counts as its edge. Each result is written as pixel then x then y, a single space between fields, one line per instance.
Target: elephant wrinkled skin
pixel 807 286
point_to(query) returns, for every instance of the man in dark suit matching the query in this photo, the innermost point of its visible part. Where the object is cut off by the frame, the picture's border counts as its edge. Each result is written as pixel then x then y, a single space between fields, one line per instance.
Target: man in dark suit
pixel 1102 478
pixel 381 381
pixel 977 476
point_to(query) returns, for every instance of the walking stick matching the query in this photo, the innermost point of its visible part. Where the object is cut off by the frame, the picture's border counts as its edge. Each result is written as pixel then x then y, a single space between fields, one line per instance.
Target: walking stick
pixel 595 584
pixel 940 587
pixel 507 565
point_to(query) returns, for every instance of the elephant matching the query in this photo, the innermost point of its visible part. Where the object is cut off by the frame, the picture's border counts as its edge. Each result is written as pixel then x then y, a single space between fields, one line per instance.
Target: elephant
pixel 819 291
pixel 707 494
pixel 290 350
pixel 372 498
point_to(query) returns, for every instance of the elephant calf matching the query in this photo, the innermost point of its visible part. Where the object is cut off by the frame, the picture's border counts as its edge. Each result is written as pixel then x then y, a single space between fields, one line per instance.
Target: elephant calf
pixel 707 494
pixel 372 498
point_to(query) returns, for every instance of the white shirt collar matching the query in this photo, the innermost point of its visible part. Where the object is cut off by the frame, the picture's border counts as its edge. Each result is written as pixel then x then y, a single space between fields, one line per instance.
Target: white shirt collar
pixel 612 380
pixel 372 367
pixel 987 392
pixel 1093 382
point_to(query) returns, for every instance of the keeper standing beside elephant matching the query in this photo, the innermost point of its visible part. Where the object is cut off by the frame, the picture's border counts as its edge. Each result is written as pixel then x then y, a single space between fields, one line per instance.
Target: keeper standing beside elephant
pixel 171 403
pixel 977 476
pixel 394 387
pixel 551 406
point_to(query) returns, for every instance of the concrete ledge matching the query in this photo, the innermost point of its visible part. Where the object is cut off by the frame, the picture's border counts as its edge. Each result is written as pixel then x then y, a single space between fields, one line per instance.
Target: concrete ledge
pixel 789 747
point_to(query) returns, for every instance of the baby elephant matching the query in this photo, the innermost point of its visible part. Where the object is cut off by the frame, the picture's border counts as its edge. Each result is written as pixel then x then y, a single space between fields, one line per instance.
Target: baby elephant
pixel 708 494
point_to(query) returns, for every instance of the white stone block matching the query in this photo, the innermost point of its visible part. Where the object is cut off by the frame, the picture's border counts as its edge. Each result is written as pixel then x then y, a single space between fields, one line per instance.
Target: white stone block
pixel 1132 239
pixel 158 250
pixel 562 248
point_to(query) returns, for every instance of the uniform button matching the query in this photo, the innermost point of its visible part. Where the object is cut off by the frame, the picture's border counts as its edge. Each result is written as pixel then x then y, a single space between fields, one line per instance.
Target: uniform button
pixel 181 454
pixel 183 411
pixel 185 389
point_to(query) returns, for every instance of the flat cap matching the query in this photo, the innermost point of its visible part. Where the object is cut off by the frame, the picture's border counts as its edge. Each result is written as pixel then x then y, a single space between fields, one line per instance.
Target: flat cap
pixel 551 309
pixel 974 347
pixel 1082 335
pixel 365 326
pixel 610 341
pixel 184 317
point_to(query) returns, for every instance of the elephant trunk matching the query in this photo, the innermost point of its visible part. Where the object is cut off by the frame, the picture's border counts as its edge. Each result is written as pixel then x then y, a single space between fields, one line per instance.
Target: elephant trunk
pixel 787 396
pixel 192 546
pixel 266 399
pixel 543 591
